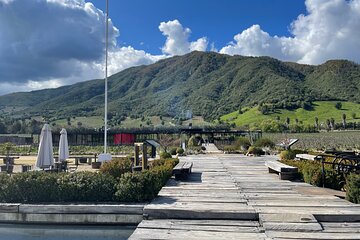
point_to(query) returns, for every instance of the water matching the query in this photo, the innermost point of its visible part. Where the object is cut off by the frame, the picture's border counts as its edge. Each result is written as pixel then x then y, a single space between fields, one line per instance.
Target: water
pixel 64 232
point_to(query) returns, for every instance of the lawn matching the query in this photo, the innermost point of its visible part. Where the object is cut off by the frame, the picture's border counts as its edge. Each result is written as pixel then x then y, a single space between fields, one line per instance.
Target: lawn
pixel 323 110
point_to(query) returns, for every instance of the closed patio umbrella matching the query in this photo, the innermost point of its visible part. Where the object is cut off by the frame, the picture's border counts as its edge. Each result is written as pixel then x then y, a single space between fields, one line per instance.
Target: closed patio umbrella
pixel 63 146
pixel 45 157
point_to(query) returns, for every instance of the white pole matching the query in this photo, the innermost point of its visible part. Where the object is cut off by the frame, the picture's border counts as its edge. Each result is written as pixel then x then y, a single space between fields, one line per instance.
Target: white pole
pixel 106 74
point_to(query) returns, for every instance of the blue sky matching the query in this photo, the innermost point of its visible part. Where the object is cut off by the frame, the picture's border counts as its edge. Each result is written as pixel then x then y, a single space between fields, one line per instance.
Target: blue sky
pixel 51 43
pixel 219 20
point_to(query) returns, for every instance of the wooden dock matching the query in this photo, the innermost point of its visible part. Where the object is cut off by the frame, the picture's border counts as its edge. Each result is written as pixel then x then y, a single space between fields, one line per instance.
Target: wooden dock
pixel 234 197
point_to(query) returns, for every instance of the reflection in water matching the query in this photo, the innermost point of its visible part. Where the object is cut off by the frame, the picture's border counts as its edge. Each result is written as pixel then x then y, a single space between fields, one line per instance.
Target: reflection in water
pixel 64 232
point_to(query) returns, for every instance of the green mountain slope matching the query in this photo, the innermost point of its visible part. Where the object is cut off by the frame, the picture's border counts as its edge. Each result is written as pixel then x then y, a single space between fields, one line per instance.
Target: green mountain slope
pixel 209 84
pixel 322 110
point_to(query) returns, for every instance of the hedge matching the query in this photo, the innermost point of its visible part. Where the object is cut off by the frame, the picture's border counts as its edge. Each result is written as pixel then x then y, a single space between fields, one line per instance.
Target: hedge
pixel 35 187
pixel 311 172
pixel 116 167
pixel 41 187
pixel 353 188
pixel 144 186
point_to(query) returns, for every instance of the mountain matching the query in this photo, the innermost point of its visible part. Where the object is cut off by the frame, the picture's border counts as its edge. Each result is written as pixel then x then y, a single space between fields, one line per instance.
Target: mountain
pixel 208 83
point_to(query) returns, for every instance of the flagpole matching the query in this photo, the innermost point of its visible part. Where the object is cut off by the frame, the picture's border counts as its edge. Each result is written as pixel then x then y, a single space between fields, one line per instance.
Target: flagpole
pixel 105 156
pixel 106 74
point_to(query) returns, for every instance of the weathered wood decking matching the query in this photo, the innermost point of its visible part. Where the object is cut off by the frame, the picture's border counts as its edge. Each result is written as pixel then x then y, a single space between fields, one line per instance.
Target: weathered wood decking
pixel 234 197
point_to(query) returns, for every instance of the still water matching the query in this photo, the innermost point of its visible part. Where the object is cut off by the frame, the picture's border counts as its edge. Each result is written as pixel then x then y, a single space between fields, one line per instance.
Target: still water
pixel 63 232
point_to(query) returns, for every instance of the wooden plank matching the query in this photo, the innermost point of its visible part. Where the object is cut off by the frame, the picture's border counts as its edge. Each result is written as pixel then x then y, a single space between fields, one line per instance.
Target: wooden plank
pixel 9 207
pixel 141 233
pixel 82 208
pixel 280 167
pixel 312 235
pixel 203 225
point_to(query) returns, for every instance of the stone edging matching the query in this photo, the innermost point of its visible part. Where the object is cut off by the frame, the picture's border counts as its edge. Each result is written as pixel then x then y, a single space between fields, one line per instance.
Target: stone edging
pixel 117 214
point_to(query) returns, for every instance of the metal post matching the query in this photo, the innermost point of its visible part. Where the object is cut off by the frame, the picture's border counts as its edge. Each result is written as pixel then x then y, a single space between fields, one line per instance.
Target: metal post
pixel 106 73
pixel 144 157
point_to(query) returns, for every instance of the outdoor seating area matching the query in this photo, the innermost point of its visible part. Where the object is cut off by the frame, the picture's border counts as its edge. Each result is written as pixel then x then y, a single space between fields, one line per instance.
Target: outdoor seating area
pixel 284 171
pixel 182 170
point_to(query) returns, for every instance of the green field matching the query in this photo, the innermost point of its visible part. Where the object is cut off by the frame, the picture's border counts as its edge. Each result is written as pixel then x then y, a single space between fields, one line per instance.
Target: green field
pixel 323 110
pixel 339 140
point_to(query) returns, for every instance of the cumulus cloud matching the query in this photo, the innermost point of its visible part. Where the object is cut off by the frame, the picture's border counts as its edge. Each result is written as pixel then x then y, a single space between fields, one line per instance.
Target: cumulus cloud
pixel 52 43
pixel 49 43
pixel 331 29
pixel 177 39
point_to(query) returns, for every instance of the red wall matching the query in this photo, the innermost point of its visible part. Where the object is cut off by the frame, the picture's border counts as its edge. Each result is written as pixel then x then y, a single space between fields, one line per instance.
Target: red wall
pixel 124 138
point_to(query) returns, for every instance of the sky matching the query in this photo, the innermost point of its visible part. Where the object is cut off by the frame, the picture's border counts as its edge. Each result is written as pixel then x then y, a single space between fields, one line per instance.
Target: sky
pixel 51 43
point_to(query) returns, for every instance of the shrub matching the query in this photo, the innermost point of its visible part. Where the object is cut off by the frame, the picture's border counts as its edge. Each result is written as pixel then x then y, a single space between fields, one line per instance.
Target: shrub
pixel 87 187
pixel 287 155
pixel 31 187
pixel 116 167
pixel 180 151
pixel 173 151
pixel 143 186
pixel 242 143
pixel 255 151
pixel 264 142
pixel 353 188
pixel 164 155
pixel 230 148
pixel 311 172
pixel 160 162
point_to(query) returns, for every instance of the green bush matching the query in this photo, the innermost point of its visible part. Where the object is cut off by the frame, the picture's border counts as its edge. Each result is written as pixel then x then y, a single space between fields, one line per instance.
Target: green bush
pixel 242 143
pixel 230 148
pixel 116 167
pixel 287 155
pixel 173 151
pixel 143 186
pixel 30 187
pixel 86 187
pixel 353 188
pixel 180 151
pixel 255 151
pixel 264 142
pixel 160 162
pixel 165 155
pixel 311 172
pixel 35 187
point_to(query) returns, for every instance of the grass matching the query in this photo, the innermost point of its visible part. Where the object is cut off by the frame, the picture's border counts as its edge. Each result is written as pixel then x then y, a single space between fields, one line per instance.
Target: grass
pixel 339 140
pixel 323 110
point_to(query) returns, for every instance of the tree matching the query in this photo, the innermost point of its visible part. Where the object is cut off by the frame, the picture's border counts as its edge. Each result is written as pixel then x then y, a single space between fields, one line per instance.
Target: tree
pixel 165 141
pixel 353 115
pixel 317 123
pixel 332 123
pixel 338 105
pixel 2 127
pixel 343 117
pixel 328 126
pixel 287 121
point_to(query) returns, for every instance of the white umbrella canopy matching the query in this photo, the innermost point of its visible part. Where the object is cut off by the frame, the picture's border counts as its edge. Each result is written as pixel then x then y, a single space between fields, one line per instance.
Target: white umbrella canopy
pixel 45 157
pixel 63 146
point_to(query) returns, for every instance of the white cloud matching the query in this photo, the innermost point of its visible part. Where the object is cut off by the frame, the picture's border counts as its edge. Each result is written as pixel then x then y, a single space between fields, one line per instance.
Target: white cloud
pixel 330 30
pixel 177 39
pixel 49 43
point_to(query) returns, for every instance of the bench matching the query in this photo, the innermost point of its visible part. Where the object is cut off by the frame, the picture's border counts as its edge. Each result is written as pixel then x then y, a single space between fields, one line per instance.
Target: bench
pixel 182 170
pixel 285 172
pixel 308 157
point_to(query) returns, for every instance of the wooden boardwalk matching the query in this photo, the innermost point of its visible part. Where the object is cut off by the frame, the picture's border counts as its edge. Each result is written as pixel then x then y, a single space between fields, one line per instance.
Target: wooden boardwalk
pixel 234 197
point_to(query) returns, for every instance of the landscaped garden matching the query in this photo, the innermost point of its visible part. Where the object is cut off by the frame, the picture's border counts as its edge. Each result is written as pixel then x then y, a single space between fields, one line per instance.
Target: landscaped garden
pixel 115 182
